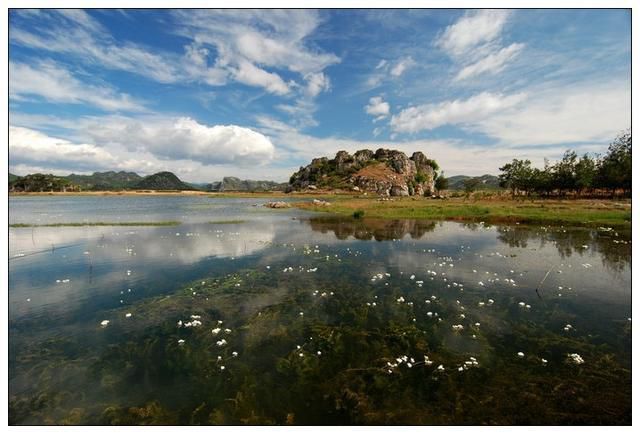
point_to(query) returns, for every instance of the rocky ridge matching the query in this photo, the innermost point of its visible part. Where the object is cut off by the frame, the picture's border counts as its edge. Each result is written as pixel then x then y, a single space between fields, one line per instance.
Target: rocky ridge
pixel 384 172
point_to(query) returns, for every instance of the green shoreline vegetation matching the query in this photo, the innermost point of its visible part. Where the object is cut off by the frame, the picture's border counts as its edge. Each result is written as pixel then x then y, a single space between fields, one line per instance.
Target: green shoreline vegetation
pixel 80 224
pixel 581 212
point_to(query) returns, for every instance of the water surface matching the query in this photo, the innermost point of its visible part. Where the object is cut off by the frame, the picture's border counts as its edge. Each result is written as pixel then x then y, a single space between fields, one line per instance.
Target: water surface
pixel 288 317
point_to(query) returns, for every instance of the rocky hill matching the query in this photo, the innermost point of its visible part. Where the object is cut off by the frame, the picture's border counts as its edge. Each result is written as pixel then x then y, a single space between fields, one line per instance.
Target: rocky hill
pixel 162 181
pixel 103 181
pixel 231 183
pixel 384 172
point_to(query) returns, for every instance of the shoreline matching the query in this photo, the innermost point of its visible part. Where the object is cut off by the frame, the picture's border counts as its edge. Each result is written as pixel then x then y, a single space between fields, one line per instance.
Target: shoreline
pixel 585 212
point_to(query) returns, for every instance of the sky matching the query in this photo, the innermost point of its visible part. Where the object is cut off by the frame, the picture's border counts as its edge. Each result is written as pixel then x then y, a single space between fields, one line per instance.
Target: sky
pixel 258 93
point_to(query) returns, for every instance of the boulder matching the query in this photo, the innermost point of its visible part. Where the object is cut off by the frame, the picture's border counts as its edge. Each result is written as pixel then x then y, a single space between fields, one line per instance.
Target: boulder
pixel 277 204
pixel 399 190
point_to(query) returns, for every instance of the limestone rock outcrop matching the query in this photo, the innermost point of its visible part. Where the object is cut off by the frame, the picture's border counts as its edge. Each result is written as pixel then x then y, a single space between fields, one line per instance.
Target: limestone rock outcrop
pixel 384 172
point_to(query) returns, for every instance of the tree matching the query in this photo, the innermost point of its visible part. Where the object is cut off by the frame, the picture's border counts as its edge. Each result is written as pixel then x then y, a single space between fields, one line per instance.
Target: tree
pixel 585 173
pixel 442 183
pixel 564 172
pixel 516 176
pixel 470 185
pixel 614 169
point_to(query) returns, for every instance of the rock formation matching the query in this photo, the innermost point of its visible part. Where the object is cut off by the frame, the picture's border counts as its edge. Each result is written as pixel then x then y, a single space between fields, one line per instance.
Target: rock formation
pixel 385 172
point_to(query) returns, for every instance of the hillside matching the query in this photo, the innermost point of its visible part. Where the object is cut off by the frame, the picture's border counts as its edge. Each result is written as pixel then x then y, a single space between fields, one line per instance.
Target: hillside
pixel 487 182
pixel 231 183
pixel 384 172
pixel 162 181
pixel 13 177
pixel 103 181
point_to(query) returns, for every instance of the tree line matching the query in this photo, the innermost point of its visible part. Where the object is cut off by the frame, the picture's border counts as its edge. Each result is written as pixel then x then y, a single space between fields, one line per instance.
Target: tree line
pixel 589 175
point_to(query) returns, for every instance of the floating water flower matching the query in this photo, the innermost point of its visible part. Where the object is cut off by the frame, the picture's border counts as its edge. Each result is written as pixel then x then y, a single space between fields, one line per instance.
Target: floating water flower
pixel 575 358
pixel 440 368
pixel 222 368
pixel 234 354
pixel 544 361
pixel 520 354
pixel 127 315
pixel 457 327
pixel 180 341
pixel 104 323
pixel 221 342
pixel 215 331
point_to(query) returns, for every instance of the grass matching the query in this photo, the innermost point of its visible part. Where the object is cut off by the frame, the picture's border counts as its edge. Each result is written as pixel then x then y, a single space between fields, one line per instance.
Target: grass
pixel 582 212
pixel 79 224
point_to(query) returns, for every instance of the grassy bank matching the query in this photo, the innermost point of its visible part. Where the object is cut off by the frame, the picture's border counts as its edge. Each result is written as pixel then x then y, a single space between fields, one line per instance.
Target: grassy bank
pixel 80 224
pixel 576 212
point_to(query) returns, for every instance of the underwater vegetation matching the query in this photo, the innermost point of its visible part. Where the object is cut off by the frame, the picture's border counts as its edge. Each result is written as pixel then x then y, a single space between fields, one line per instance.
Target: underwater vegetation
pixel 320 335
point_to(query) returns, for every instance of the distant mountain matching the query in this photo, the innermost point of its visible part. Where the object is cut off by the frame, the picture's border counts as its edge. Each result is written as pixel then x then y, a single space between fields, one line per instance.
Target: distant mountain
pixel 13 177
pixel 231 183
pixel 103 181
pixel 487 182
pixel 162 181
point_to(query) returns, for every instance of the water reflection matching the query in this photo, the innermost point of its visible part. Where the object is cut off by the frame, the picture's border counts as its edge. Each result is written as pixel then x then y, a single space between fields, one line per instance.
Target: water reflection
pixel 312 322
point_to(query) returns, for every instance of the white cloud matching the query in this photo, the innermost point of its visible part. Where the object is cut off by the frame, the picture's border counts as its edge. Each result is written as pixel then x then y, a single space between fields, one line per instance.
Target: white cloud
pixel 470 111
pixel 317 82
pixel 248 42
pixel 585 113
pixel 76 33
pixel 474 43
pixel 473 29
pixel 247 73
pixel 494 62
pixel 32 147
pixel 183 139
pixel 377 107
pixel 56 84
pixel 402 66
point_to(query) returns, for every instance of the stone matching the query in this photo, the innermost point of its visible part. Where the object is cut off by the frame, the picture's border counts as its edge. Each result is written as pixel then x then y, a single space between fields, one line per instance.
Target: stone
pixel 277 204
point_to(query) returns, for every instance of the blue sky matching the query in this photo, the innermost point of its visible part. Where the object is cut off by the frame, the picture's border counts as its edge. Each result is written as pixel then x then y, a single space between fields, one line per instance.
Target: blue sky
pixel 258 93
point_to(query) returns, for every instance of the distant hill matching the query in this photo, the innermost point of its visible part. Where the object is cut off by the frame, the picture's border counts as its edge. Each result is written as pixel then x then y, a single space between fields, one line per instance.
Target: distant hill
pixel 102 181
pixel 162 181
pixel 487 182
pixel 231 183
pixel 13 177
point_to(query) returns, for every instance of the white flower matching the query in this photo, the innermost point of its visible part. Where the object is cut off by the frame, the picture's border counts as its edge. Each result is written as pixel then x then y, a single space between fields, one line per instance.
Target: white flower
pixel 104 323
pixel 127 315
pixel 215 331
pixel 221 342
pixel 440 368
pixel 576 358
pixel 234 354
pixel 520 354
pixel 180 341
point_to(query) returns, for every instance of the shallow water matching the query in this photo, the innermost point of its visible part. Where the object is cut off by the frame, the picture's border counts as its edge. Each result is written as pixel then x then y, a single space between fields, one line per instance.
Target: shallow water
pixel 329 319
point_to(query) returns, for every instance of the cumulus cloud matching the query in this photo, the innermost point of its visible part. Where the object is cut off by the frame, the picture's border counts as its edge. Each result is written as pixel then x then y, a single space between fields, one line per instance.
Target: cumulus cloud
pixel 472 110
pixel 494 62
pixel 184 138
pixel 54 83
pixel 27 146
pixel 378 108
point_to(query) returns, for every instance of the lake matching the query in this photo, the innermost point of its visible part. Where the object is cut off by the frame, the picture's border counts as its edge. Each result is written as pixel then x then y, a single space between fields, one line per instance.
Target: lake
pixel 242 314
